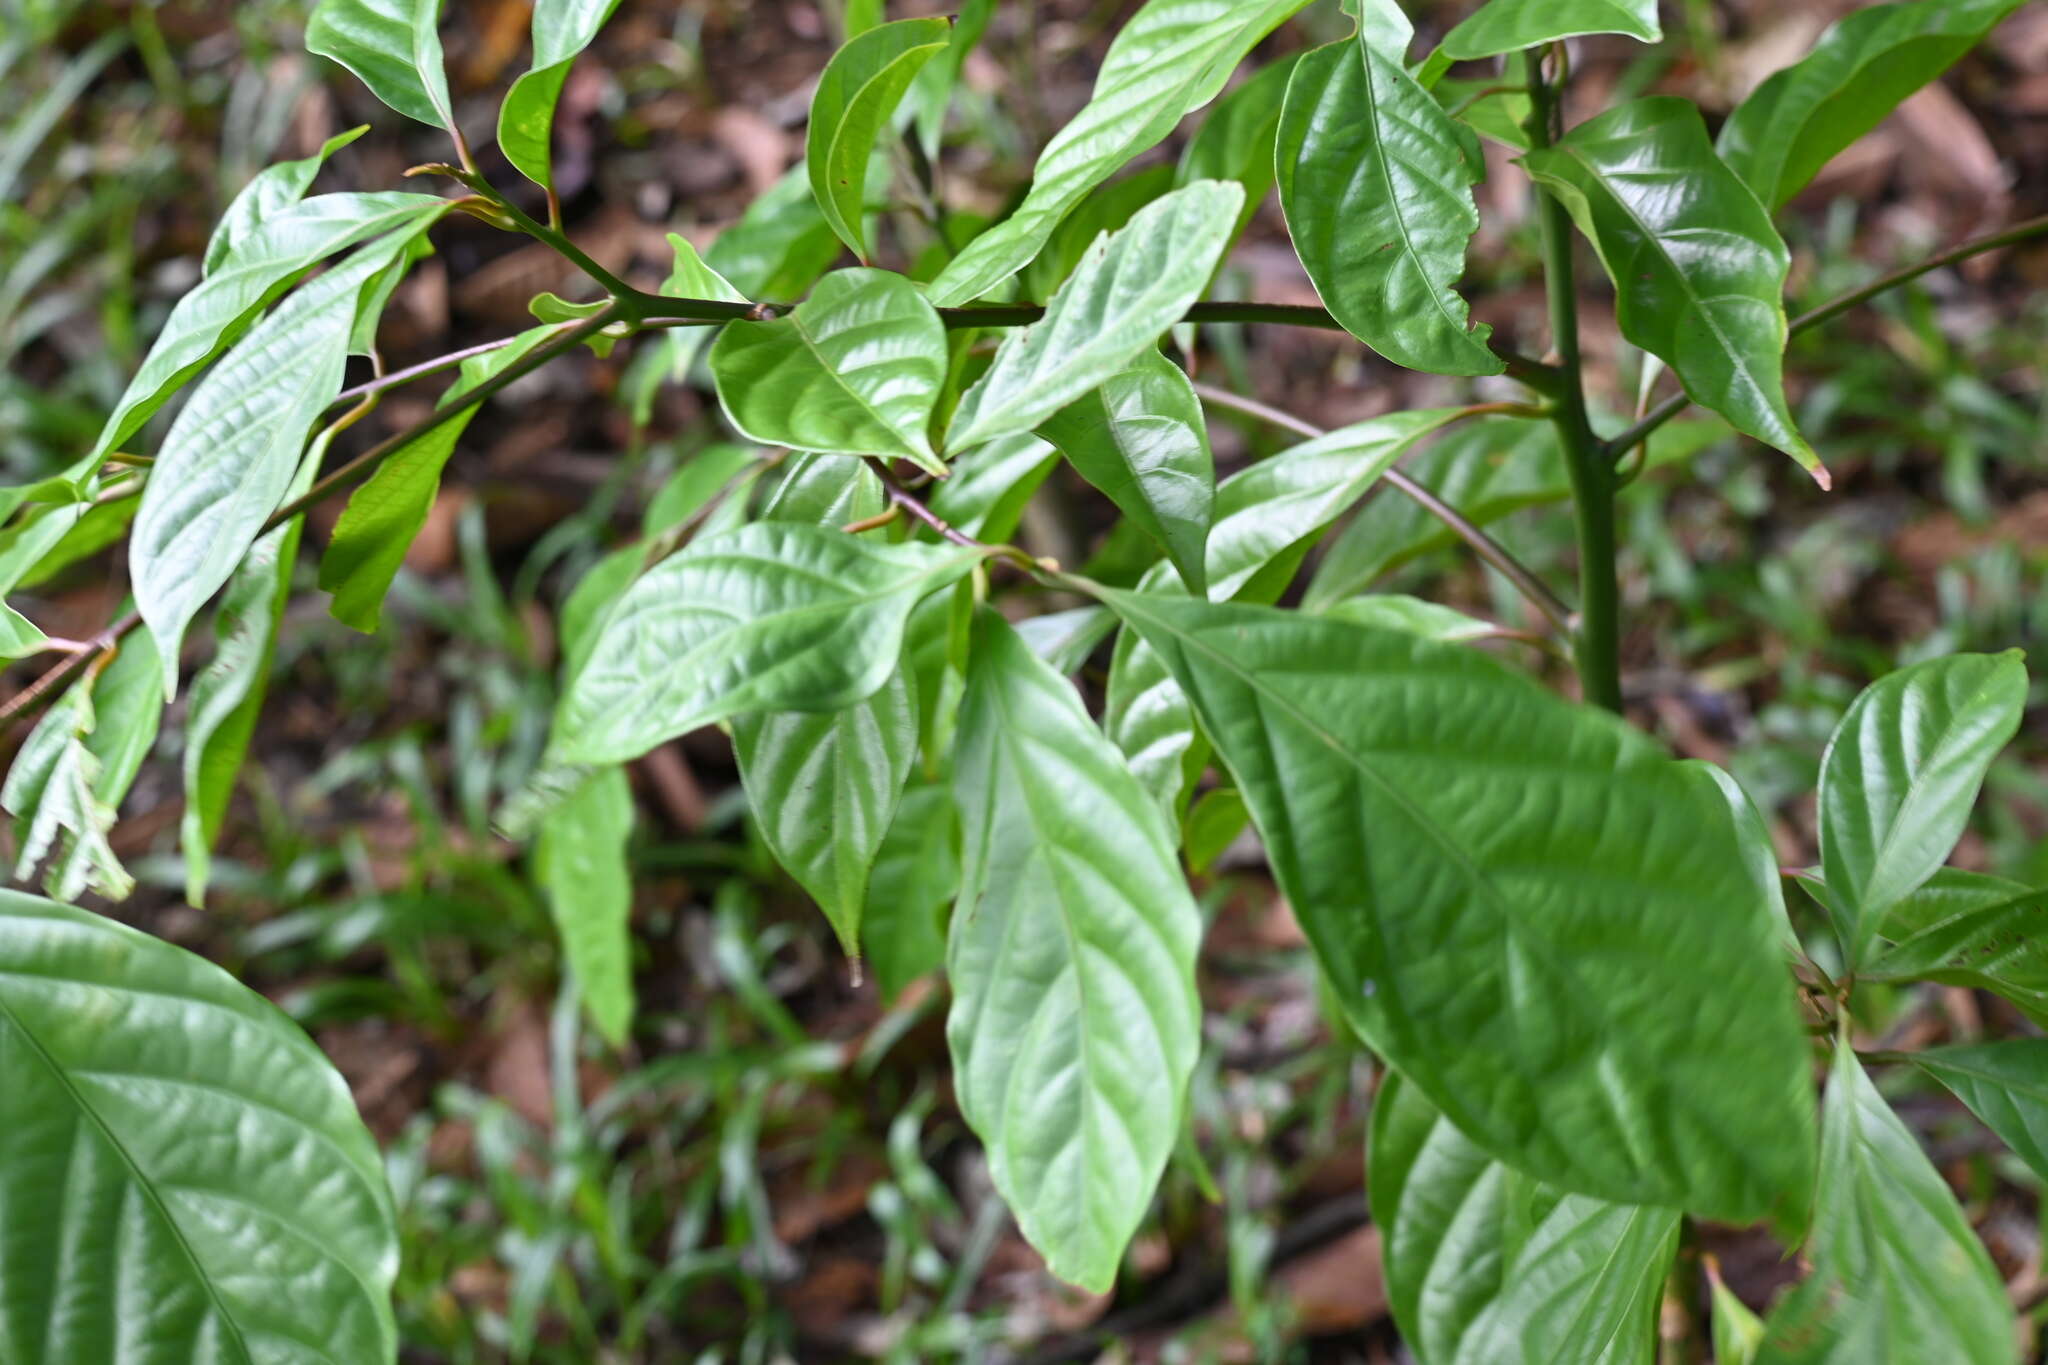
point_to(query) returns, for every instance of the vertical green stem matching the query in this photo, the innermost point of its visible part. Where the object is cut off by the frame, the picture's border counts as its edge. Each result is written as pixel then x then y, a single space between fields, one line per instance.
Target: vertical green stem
pixel 1597 645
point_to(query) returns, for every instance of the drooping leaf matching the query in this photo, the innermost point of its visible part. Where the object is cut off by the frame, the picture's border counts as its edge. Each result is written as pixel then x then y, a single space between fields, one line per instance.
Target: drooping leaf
pixel 1142 439
pixel 526 120
pixel 393 46
pixel 1999 947
pixel 856 97
pixel 1900 776
pixel 911 887
pixel 1793 124
pixel 1074 1024
pixel 2005 1084
pixel 771 617
pixel 1486 1266
pixel 195 1160
pixel 1898 1277
pixel 579 860
pixel 1512 25
pixel 1236 140
pixel 1133 285
pixel 1545 924
pixel 1376 187
pixel 1174 56
pixel 854 370
pixel 1697 265
pixel 272 191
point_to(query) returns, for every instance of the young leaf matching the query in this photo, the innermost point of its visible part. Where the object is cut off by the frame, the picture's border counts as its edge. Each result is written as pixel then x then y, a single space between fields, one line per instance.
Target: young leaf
pixel 1376 187
pixel 579 859
pixel 190 1152
pixel 1512 25
pixel 1134 284
pixel 1141 438
pixel 1778 139
pixel 1549 927
pixel 854 370
pixel 1075 1024
pixel 1997 947
pixel 393 46
pixel 1899 778
pixel 1898 1277
pixel 2005 1084
pixel 1173 57
pixel 1485 1265
pixel 272 191
pixel 771 617
pixel 1699 270
pixel 855 99
pixel 526 120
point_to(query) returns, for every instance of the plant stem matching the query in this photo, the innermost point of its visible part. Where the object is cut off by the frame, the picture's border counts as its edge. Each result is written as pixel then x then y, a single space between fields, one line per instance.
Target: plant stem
pixel 1597 643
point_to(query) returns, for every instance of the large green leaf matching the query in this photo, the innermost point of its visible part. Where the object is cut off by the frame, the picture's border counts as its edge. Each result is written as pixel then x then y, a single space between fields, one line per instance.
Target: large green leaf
pixel 1898 1277
pixel 184 1174
pixel 1548 926
pixel 771 617
pixel 854 370
pixel 2005 1084
pixel 270 192
pixel 1174 56
pixel 393 46
pixel 1998 947
pixel 1512 25
pixel 1376 186
pixel 1134 284
pixel 526 120
pixel 1075 1024
pixel 1486 1266
pixel 579 860
pixel 1900 776
pixel 1698 268
pixel 856 96
pixel 1141 438
pixel 1793 124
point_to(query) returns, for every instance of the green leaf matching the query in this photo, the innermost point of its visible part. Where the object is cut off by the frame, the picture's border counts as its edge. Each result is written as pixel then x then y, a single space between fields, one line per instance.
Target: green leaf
pixel 1999 947
pixel 1737 1332
pixel 393 46
pixel 1545 924
pixel 1066 639
pixel 2005 1084
pixel 179 1154
pixel 1074 1025
pixel 1512 25
pixel 1396 611
pixel 1488 109
pixel 855 370
pixel 1106 210
pixel 991 484
pixel 1173 57
pixel 933 91
pixel 270 192
pixel 579 860
pixel 1898 1277
pixel 1486 1265
pixel 1213 823
pixel 1141 438
pixel 856 96
pixel 910 888
pixel 390 509
pixel 1236 141
pixel 1376 187
pixel 235 446
pixel 1147 716
pixel 1134 284
pixel 19 636
pixel 1793 124
pixel 1699 270
pixel 692 277
pixel 526 120
pixel 1949 892
pixel 771 617
pixel 1900 776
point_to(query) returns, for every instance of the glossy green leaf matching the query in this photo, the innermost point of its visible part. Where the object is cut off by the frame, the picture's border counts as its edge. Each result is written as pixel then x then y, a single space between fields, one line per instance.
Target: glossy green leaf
pixel 270 192
pixel 1543 922
pixel 1066 639
pixel 1699 270
pixel 2001 947
pixel 526 120
pixel 856 97
pixel 1396 611
pixel 1074 1024
pixel 915 876
pixel 1146 715
pixel 1382 26
pixel 1135 283
pixel 1214 821
pixel 393 46
pixel 1900 776
pixel 855 370
pixel 1949 892
pixel 1898 1277
pixel 1793 124
pixel 1106 210
pixel 1488 109
pixel 185 1175
pixel 771 617
pixel 1236 140
pixel 2005 1084
pixel 1142 439
pixel 579 860
pixel 1759 853
pixel 1486 1266
pixel 1376 187
pixel 991 484
pixel 1512 25
pixel 1172 57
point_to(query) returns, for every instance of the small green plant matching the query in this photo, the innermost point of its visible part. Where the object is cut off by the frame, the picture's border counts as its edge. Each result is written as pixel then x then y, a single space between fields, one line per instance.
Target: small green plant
pixel 1572 952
